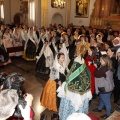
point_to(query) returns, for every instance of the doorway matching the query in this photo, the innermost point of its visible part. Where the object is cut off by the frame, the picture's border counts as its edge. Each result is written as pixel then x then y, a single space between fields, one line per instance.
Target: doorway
pixel 57 19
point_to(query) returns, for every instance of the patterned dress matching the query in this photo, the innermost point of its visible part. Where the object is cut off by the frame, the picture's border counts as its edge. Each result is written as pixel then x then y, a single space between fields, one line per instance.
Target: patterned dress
pixel 49 97
pixel 75 92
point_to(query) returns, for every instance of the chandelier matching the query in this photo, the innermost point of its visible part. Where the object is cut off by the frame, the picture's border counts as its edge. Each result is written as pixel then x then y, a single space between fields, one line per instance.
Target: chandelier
pixel 59 3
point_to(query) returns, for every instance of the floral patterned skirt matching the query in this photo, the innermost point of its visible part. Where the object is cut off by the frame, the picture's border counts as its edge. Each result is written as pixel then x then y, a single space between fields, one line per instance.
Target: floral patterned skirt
pixel 67 109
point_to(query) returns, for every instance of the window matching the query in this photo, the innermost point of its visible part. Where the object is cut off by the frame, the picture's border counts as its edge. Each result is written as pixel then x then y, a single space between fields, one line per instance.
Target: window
pixel 2 10
pixel 32 10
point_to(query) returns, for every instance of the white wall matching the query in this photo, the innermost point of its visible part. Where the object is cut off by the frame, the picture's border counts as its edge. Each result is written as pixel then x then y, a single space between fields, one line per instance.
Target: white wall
pixel 37 13
pixel 75 20
pixel 53 11
pixel 15 8
pixel 80 21
pixel 11 7
pixel 7 12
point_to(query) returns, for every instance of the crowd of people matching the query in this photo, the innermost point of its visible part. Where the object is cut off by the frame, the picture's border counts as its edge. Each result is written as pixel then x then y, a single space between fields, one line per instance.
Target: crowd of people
pixel 81 62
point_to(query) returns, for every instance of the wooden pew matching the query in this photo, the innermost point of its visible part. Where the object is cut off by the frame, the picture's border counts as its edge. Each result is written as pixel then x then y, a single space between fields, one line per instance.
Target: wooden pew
pixel 15 49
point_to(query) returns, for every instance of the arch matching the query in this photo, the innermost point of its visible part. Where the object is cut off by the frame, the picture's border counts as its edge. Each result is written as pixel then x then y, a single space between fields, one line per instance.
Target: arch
pixel 57 18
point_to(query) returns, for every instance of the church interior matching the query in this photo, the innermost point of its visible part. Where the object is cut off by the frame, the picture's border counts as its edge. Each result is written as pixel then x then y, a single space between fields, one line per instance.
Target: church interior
pixel 45 14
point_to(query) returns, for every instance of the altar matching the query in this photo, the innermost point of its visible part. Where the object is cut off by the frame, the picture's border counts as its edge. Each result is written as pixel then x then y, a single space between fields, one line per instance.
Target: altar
pixel 106 13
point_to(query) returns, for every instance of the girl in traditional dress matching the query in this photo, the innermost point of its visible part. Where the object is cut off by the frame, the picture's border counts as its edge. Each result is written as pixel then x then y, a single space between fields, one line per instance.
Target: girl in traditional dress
pixel 75 93
pixel 45 59
pixel 30 46
pixel 57 77
pixel 64 50
pixel 17 40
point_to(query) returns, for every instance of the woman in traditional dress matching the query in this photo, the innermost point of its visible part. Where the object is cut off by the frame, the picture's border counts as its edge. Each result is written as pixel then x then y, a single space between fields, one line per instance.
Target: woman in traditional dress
pixel 54 43
pixel 58 72
pixel 24 34
pixel 17 40
pixel 64 38
pixel 30 46
pixel 7 40
pixel 4 56
pixel 64 50
pixel 75 93
pixel 45 59
pixel 42 34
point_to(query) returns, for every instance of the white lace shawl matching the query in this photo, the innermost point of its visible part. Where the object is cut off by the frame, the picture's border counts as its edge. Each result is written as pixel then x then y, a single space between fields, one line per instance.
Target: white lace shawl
pixel 29 37
pixel 56 69
pixel 48 55
pixel 64 50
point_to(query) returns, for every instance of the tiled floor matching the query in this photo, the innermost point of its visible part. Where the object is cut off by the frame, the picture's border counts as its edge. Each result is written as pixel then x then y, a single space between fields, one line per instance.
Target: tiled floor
pixel 35 83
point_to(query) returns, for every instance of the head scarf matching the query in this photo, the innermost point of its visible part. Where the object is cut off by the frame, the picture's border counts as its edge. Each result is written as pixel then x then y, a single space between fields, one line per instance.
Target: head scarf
pixel 64 50
pixel 116 41
pixel 56 68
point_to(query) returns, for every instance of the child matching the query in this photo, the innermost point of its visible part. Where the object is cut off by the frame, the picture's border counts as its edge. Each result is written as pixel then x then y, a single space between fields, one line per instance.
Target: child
pixel 58 73
pixel 104 85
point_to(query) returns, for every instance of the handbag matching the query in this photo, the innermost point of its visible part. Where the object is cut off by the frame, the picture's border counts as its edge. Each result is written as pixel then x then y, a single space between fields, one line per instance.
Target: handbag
pixel 101 89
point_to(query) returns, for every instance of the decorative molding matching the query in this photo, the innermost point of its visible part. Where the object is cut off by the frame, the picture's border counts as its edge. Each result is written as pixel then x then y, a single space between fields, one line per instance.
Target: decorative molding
pixel 101 15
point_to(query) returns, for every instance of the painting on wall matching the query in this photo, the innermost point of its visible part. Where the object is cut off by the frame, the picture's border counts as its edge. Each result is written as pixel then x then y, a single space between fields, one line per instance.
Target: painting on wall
pixel 82 8
pixel 52 3
pixel 24 7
